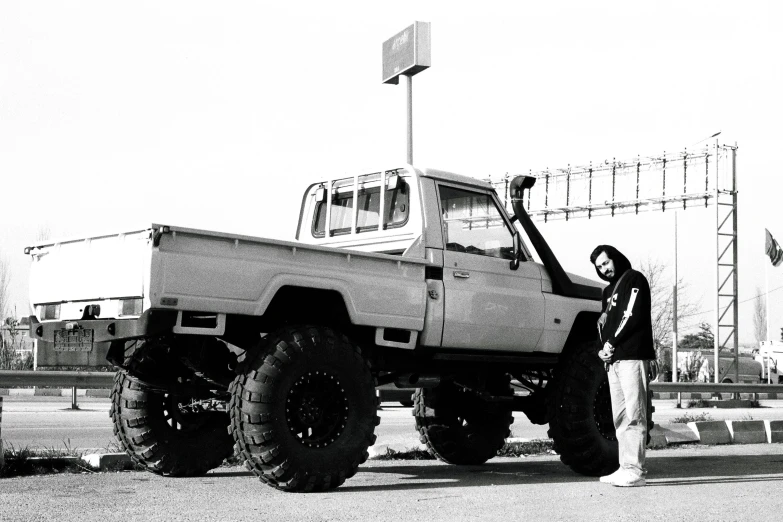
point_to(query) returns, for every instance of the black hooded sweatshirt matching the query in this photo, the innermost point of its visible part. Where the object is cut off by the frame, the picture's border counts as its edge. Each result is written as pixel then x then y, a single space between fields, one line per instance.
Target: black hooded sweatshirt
pixel 628 326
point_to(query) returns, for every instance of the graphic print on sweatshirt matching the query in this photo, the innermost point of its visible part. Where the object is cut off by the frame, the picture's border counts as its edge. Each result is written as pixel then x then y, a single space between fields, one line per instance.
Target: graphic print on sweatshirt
pixel 628 311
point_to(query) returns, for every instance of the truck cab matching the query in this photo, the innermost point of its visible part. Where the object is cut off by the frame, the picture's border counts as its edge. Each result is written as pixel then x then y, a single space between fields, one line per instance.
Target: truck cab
pixel 499 297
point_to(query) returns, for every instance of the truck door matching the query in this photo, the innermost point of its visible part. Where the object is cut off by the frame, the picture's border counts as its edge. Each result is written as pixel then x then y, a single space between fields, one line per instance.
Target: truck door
pixel 487 304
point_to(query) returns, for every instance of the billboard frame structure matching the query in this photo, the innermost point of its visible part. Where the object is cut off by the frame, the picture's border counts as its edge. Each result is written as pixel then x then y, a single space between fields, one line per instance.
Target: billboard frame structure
pixel 704 177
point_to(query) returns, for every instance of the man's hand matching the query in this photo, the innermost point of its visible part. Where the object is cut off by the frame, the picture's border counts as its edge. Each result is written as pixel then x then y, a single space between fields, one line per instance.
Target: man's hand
pixel 606 353
pixel 602 320
pixel 600 324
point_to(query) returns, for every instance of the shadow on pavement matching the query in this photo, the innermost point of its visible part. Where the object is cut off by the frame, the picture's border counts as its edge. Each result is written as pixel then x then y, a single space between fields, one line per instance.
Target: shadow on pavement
pixel 662 471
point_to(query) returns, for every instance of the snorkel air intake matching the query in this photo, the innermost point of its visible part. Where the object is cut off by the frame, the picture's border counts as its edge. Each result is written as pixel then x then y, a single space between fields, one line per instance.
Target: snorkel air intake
pixel 561 283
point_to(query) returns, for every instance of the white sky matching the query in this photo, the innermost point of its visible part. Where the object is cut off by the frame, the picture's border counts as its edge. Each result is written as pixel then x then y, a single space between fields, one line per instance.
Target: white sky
pixel 217 115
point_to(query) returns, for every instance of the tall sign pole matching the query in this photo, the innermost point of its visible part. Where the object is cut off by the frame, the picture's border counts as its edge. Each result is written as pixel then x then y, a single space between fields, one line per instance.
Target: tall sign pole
pixel 405 54
pixel 409 156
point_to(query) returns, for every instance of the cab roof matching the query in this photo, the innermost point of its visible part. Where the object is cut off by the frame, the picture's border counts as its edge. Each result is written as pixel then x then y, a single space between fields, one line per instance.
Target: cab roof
pixel 443 175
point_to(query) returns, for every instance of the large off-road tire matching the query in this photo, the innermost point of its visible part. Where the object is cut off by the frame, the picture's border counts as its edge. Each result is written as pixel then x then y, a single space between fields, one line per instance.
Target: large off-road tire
pixel 167 434
pixel 457 426
pixel 303 409
pixel 581 424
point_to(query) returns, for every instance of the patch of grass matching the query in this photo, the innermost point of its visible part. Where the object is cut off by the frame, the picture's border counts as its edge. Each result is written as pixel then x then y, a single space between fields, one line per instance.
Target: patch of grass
pixel 526 449
pixel 25 461
pixel 688 417
pixel 411 454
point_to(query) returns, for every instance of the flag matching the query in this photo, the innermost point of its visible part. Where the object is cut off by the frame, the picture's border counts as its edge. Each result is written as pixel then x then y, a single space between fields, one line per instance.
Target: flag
pixel 773 250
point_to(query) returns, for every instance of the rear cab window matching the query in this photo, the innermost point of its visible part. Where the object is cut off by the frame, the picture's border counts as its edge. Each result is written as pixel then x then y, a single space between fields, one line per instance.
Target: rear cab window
pixel 396 206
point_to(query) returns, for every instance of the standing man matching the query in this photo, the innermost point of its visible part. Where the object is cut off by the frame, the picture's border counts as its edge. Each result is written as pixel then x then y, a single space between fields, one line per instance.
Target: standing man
pixel 625 328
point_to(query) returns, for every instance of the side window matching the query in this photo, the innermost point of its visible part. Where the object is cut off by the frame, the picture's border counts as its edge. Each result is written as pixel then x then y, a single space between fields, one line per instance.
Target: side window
pixel 395 207
pixel 473 224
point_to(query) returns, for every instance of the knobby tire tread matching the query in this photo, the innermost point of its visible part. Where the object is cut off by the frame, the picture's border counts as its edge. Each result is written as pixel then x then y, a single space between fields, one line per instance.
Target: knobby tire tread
pixel 138 427
pixel 573 425
pixel 260 434
pixel 437 412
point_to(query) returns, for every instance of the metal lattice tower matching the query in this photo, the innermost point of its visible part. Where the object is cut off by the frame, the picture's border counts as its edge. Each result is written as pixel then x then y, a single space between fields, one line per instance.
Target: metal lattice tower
pixel 726 247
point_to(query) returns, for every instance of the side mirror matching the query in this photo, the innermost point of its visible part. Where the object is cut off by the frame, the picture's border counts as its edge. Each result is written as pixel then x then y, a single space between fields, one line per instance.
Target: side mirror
pixel 320 194
pixel 514 264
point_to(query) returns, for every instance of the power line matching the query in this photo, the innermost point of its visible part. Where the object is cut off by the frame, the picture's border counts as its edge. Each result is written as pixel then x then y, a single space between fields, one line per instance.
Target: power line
pixel 741 302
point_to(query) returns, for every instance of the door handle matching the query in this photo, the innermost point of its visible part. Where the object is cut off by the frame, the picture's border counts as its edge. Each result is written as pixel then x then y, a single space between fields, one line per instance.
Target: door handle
pixel 461 274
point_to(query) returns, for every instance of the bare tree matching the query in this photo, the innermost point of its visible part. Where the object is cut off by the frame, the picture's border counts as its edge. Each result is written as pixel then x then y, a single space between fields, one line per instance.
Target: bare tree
pixel 5 279
pixel 662 297
pixel 760 316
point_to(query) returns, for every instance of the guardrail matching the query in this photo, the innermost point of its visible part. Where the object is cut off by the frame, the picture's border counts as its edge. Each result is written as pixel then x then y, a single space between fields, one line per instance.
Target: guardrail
pixel 56 378
pixel 713 387
pixel 106 380
pixel 70 379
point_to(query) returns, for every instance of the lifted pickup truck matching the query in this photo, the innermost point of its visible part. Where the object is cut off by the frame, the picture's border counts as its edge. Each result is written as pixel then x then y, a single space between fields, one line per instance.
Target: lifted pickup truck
pixel 411 276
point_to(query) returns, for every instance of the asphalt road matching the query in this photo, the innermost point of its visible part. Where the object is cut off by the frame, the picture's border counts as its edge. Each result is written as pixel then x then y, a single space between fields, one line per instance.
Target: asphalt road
pixel 49 423
pixel 52 424
pixel 693 483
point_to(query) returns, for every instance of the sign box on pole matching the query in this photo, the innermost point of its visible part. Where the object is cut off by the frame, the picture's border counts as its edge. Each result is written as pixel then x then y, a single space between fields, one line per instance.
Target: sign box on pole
pixel 407 52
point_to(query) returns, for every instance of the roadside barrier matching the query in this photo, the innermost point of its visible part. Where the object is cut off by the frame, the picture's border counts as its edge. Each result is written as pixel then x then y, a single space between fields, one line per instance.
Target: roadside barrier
pixel 774 430
pixel 76 380
pixel 80 380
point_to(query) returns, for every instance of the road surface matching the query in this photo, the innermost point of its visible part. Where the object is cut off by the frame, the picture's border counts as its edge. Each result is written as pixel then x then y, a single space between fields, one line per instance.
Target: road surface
pixel 49 423
pixel 693 483
pixel 52 424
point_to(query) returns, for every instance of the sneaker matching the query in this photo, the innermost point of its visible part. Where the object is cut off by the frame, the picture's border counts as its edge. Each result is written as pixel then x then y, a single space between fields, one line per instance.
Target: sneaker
pixel 629 480
pixel 609 479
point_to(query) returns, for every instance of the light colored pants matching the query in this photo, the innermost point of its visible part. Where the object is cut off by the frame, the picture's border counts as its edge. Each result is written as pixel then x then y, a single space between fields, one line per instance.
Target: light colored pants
pixel 628 383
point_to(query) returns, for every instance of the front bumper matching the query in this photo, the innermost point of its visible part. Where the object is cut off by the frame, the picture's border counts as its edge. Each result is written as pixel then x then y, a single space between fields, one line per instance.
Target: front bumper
pixel 151 323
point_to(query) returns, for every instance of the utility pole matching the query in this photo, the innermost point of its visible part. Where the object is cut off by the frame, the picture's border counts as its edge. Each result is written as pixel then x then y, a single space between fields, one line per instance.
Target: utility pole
pixel 675 340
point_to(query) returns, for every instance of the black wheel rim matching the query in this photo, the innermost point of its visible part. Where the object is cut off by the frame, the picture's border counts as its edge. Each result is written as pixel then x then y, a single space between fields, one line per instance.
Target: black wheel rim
pixel 317 409
pixel 602 411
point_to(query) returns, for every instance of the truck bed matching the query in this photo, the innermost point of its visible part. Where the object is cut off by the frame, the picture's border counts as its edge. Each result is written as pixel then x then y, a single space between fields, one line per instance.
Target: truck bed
pixel 186 269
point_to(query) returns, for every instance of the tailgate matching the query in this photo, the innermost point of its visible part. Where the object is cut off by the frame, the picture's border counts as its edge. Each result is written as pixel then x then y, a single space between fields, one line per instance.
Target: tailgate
pixel 97 270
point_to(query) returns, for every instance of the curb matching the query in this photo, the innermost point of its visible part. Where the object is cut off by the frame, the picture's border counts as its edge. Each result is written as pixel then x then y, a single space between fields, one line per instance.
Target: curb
pixel 102 461
pixel 103 393
pixel 774 429
pixel 701 432
pixel 21 391
pixel 694 395
pixel 738 432
pixel 673 434
pixel 747 432
pixel 711 432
